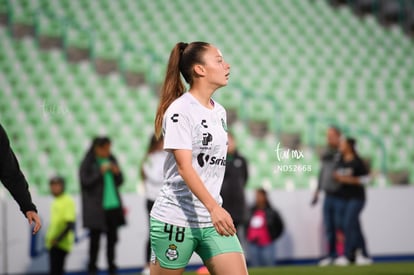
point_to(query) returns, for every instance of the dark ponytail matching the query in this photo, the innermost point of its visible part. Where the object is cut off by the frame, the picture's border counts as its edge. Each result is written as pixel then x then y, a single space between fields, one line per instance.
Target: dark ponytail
pixel 352 144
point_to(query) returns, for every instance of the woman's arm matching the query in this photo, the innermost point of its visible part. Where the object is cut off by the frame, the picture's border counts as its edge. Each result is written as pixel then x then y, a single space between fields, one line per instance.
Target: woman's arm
pixel 89 173
pixel 352 180
pixel 116 171
pixel 221 219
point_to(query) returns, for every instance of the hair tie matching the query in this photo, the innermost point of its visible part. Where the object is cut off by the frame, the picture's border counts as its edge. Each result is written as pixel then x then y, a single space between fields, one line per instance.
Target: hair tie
pixel 182 47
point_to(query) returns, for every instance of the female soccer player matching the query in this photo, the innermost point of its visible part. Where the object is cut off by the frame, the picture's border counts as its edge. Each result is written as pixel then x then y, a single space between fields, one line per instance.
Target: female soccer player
pixel 187 216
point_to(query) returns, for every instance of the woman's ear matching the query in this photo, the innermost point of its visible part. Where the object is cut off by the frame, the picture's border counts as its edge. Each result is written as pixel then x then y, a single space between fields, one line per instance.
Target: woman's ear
pixel 199 70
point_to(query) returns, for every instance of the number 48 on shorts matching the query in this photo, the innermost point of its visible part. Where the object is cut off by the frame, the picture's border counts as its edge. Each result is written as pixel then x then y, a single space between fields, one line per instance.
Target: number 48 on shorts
pixel 178 235
pixel 172 245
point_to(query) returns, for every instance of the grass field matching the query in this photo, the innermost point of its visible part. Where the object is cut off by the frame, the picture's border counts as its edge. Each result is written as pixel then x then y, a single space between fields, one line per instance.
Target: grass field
pixel 375 269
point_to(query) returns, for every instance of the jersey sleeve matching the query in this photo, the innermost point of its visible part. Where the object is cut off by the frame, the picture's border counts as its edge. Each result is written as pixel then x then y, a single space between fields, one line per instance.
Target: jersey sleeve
pixel 177 131
pixel 11 175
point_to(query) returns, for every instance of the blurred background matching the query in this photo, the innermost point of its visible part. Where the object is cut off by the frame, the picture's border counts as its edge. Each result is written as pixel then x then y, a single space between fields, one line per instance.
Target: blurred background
pixel 73 69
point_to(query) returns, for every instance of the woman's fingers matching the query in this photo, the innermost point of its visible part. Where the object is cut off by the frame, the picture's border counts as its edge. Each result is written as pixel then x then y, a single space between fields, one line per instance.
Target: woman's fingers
pixel 229 228
pixel 224 223
pixel 233 229
pixel 223 231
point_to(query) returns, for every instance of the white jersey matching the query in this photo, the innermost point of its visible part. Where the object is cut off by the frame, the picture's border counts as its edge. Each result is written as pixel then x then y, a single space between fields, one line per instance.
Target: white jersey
pixel 154 172
pixel 189 125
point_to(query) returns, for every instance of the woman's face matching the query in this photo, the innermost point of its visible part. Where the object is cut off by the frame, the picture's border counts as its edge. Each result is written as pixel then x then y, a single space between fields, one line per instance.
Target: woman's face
pixel 344 146
pixel 103 151
pixel 260 199
pixel 215 69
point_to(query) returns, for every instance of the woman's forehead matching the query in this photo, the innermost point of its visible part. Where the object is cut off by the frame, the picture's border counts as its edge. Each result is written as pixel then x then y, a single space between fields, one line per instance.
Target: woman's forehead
pixel 214 51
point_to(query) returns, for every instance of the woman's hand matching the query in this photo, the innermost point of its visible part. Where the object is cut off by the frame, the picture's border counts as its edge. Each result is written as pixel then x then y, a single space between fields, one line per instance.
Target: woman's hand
pixel 115 168
pixel 222 221
pixel 105 167
pixel 338 177
pixel 220 218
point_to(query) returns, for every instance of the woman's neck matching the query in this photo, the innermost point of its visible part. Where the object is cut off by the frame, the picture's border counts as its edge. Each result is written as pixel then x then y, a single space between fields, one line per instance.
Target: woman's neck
pixel 202 95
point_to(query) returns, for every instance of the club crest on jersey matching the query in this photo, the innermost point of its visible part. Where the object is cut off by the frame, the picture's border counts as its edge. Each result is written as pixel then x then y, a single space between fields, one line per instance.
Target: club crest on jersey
pixel 171 253
pixel 223 123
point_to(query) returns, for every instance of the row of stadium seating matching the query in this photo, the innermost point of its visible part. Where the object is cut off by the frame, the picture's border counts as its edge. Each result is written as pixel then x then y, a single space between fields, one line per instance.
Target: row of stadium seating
pixel 296 64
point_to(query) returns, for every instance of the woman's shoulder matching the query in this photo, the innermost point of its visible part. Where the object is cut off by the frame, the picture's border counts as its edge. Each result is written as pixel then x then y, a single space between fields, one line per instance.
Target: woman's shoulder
pixel 181 105
pixel 88 159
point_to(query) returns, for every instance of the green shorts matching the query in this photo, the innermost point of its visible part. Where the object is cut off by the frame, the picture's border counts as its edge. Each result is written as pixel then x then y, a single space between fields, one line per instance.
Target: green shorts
pixel 172 246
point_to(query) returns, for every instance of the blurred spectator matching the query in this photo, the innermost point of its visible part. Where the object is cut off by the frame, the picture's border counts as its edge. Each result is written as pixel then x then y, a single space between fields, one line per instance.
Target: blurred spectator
pixel 234 182
pixel 152 172
pixel 100 178
pixel 60 236
pixel 352 174
pixel 264 227
pixel 13 179
pixel 334 203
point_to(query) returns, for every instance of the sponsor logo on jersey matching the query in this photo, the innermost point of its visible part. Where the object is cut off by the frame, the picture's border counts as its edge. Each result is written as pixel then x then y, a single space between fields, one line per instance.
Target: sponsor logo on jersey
pixel 204 123
pixel 174 118
pixel 207 138
pixel 204 159
pixel 171 253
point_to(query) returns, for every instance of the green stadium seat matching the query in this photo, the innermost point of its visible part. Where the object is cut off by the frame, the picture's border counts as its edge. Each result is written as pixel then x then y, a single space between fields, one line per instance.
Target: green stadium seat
pixel 291 60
